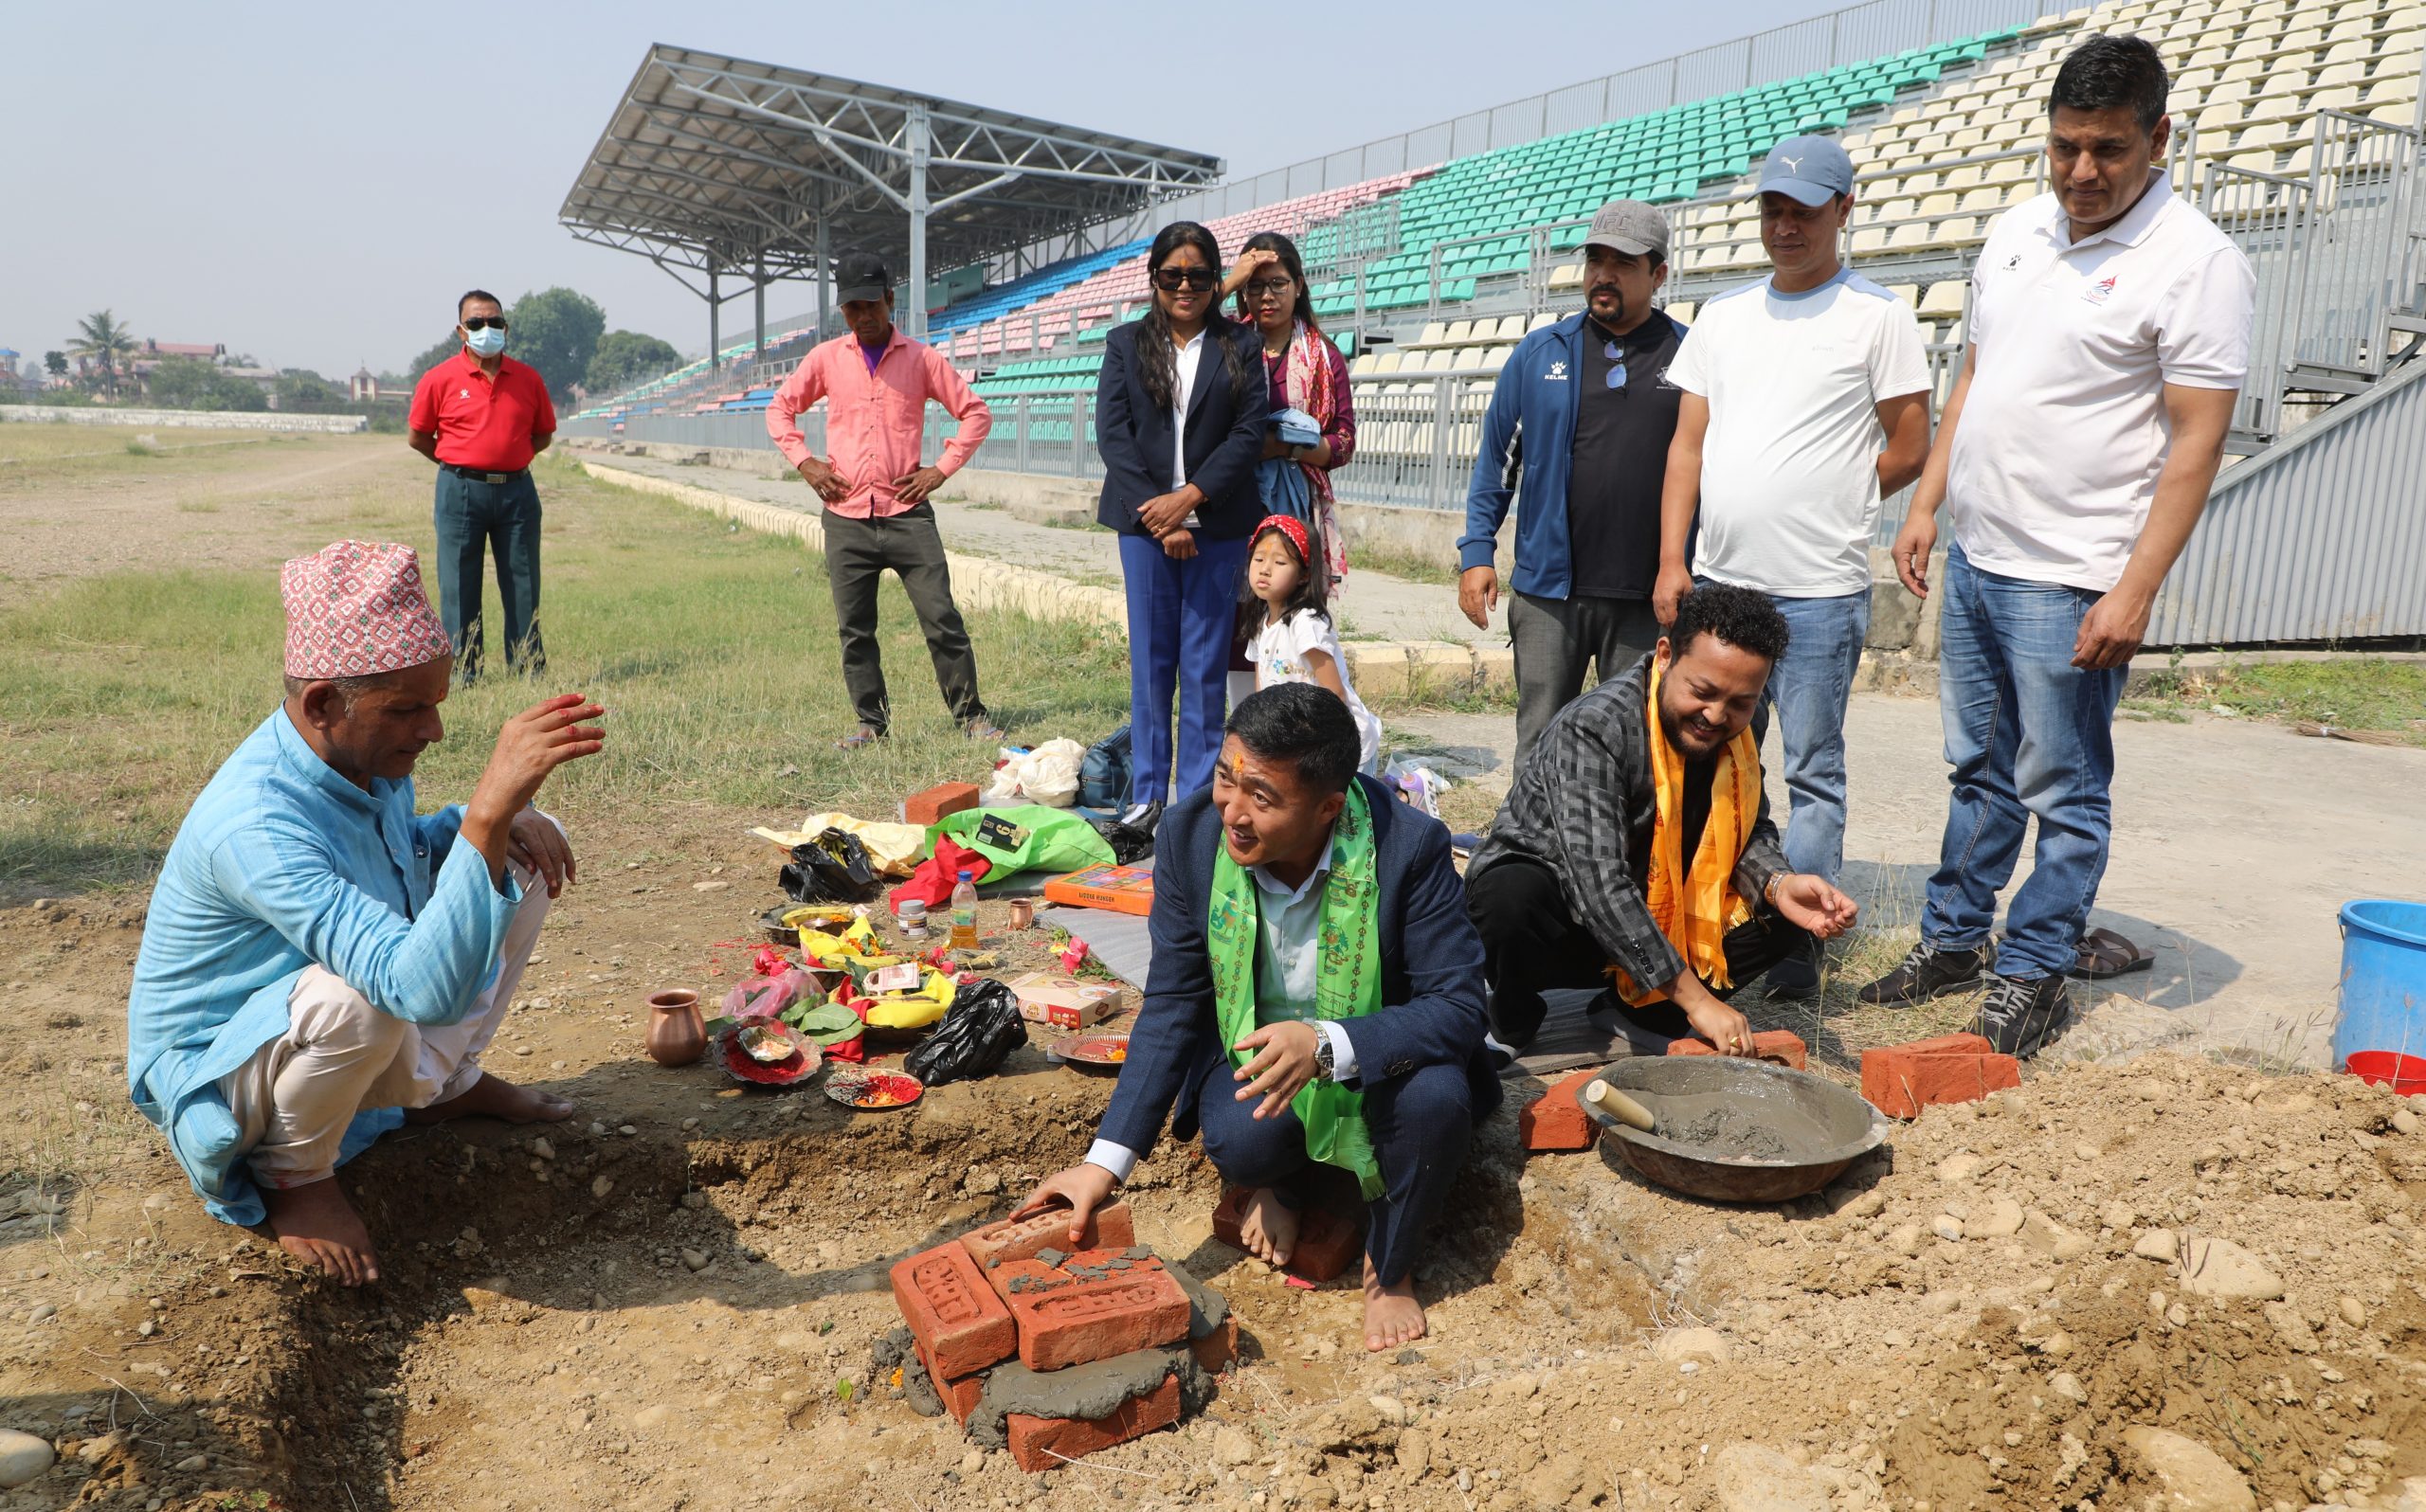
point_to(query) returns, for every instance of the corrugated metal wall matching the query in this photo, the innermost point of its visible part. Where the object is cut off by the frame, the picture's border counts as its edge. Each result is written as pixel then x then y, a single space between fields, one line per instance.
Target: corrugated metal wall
pixel 2321 538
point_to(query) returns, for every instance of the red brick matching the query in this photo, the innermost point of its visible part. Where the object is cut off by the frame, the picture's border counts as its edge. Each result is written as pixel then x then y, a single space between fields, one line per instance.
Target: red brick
pixel 1899 1083
pixel 1778 1045
pixel 1108 1228
pixel 1328 1242
pixel 1555 1121
pixel 1047 1443
pixel 938 801
pixel 1091 1318
pixel 1215 1351
pixel 951 1312
pixel 1949 1045
pixel 960 1396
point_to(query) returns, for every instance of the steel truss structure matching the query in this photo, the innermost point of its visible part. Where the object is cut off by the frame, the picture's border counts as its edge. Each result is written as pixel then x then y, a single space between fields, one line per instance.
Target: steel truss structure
pixel 720 167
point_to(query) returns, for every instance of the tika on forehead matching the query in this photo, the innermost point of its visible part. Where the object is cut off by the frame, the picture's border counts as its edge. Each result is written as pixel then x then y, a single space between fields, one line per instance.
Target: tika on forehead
pixel 356 609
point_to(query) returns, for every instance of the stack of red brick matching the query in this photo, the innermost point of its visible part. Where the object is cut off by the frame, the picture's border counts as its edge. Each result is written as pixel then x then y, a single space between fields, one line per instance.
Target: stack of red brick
pixel 1008 1290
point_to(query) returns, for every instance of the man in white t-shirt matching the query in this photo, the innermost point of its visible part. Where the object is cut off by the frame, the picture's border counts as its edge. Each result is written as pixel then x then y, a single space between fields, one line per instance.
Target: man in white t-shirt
pixel 2109 335
pixel 1805 403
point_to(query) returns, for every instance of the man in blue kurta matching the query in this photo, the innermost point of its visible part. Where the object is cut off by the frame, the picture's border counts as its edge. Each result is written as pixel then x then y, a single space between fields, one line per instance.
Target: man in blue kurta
pixel 320 963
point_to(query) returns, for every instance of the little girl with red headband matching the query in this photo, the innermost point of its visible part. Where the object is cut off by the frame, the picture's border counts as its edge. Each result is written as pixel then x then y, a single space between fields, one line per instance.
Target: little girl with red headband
pixel 1291 640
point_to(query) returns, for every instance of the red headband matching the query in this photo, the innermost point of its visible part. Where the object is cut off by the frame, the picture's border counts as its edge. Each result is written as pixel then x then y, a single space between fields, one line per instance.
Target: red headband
pixel 1293 529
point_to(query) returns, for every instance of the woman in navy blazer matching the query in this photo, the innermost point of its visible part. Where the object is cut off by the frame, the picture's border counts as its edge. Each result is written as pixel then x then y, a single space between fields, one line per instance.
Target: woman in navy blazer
pixel 1180 419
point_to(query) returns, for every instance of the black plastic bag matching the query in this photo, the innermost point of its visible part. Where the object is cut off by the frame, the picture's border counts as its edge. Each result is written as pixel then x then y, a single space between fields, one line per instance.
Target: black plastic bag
pixel 833 867
pixel 1129 842
pixel 982 1026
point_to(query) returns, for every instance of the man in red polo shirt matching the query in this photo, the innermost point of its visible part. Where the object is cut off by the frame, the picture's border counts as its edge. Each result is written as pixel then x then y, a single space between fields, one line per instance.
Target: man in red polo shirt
pixel 482 417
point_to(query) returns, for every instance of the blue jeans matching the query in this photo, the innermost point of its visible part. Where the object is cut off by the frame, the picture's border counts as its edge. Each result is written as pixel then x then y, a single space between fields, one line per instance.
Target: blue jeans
pixel 2026 733
pixel 1183 619
pixel 1809 688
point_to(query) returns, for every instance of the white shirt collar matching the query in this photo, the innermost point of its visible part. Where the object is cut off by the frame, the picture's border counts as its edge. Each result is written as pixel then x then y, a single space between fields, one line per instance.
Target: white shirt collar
pixel 1288 894
pixel 2129 228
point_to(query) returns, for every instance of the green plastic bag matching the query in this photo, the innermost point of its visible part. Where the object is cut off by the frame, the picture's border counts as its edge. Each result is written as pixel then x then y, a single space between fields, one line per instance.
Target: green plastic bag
pixel 1058 840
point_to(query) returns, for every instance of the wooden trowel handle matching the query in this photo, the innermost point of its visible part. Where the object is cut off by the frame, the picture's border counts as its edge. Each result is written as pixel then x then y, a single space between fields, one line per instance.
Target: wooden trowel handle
pixel 1619 1105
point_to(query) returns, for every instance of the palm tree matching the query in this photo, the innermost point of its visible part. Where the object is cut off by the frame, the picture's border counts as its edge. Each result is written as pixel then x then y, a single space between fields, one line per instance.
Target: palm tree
pixel 101 338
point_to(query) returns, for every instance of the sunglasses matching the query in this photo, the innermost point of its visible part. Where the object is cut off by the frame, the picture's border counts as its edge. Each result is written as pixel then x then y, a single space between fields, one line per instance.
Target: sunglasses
pixel 1617 364
pixel 1260 287
pixel 483 322
pixel 1174 279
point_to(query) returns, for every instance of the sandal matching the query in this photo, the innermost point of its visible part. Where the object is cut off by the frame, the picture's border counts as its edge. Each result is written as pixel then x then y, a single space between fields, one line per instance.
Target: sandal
pixel 981 727
pixel 867 736
pixel 2104 954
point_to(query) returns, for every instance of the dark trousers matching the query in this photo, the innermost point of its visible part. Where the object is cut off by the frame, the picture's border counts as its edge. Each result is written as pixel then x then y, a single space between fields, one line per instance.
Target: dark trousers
pixel 857 554
pixel 474 517
pixel 1554 639
pixel 1422 1124
pixel 1532 944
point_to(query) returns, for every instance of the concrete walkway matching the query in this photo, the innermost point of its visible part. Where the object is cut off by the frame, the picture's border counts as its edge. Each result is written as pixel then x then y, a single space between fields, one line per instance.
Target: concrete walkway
pixel 2235 844
pixel 1375 605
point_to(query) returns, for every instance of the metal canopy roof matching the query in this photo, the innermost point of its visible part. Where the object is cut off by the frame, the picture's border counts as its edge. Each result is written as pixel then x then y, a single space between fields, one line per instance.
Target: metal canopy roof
pixel 721 164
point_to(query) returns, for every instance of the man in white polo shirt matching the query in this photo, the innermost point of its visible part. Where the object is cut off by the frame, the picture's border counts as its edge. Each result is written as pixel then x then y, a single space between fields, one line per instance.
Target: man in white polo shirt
pixel 2109 335
pixel 1805 401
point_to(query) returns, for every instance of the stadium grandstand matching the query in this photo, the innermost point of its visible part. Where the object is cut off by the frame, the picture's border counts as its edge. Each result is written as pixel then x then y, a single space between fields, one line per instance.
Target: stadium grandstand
pixel 2297 131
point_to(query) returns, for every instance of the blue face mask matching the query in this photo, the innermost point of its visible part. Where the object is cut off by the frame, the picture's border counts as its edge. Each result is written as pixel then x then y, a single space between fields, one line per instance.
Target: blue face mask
pixel 486 342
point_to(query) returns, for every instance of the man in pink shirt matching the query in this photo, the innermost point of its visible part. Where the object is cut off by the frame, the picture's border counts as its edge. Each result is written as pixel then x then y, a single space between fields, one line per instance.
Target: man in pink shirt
pixel 875 382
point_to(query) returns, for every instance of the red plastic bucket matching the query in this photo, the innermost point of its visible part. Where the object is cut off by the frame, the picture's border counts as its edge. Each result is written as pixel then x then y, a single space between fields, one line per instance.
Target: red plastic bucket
pixel 2405 1075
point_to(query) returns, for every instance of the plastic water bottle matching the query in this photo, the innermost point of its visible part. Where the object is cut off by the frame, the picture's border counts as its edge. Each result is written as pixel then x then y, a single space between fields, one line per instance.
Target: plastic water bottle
pixel 963 912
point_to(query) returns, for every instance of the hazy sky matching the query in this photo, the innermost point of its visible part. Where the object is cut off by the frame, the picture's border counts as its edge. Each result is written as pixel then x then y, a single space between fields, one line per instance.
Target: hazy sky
pixel 315 184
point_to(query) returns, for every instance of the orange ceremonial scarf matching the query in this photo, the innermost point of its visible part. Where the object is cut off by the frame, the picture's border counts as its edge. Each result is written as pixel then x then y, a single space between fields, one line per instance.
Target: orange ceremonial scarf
pixel 1695 908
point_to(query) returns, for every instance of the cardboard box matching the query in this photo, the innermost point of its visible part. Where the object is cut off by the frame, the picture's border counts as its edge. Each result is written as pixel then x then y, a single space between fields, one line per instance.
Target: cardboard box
pixel 1065 1002
pixel 1120 889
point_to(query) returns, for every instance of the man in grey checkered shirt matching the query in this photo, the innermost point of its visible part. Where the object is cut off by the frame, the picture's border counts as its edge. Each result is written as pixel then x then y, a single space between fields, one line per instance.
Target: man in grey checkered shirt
pixel 1559 888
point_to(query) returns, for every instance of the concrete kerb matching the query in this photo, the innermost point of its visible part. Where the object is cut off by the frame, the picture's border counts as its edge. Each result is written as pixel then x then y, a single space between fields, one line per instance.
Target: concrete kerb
pixel 1445 668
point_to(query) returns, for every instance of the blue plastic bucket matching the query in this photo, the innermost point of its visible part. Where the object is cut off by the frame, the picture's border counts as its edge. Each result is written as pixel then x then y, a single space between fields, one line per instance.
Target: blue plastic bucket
pixel 2384 978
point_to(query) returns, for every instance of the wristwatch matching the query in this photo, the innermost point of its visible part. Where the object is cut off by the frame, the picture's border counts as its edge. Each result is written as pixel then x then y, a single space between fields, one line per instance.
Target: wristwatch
pixel 1325 1056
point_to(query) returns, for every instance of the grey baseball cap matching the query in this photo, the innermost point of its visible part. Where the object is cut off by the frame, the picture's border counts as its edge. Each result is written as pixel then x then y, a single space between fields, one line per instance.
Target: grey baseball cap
pixel 860 277
pixel 1809 170
pixel 1629 227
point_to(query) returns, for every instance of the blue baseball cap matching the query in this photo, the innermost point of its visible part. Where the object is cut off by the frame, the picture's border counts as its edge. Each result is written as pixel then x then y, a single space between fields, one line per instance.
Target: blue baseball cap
pixel 1810 170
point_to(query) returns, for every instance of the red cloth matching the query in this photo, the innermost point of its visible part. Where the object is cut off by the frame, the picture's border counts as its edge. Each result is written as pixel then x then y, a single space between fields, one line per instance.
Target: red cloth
pixel 488 425
pixel 931 884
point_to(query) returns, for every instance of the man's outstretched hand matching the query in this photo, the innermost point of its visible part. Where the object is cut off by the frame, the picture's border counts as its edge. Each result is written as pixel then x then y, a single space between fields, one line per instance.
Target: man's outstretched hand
pixel 1809 901
pixel 528 749
pixel 1081 1188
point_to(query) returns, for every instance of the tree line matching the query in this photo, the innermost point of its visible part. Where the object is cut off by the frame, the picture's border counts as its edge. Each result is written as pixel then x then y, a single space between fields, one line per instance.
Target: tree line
pixel 560 331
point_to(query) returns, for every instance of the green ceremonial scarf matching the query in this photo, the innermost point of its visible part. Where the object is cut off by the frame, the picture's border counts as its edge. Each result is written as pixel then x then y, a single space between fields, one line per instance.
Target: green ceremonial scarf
pixel 1348 984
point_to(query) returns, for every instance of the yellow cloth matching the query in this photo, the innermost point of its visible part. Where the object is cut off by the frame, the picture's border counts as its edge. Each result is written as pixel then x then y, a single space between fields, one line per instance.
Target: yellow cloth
pixel 1695 908
pixel 893 849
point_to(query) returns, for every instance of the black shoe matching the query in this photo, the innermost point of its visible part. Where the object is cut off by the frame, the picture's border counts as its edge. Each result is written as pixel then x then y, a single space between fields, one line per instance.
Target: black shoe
pixel 1796 974
pixel 1928 972
pixel 2023 1014
pixel 1147 817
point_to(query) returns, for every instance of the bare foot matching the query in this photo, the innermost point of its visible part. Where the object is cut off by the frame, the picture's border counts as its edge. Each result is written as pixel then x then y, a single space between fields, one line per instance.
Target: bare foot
pixel 494 1097
pixel 1269 1226
pixel 316 1225
pixel 1392 1316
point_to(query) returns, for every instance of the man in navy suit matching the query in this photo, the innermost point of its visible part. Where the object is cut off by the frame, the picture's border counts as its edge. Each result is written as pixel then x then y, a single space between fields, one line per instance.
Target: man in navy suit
pixel 1315 999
